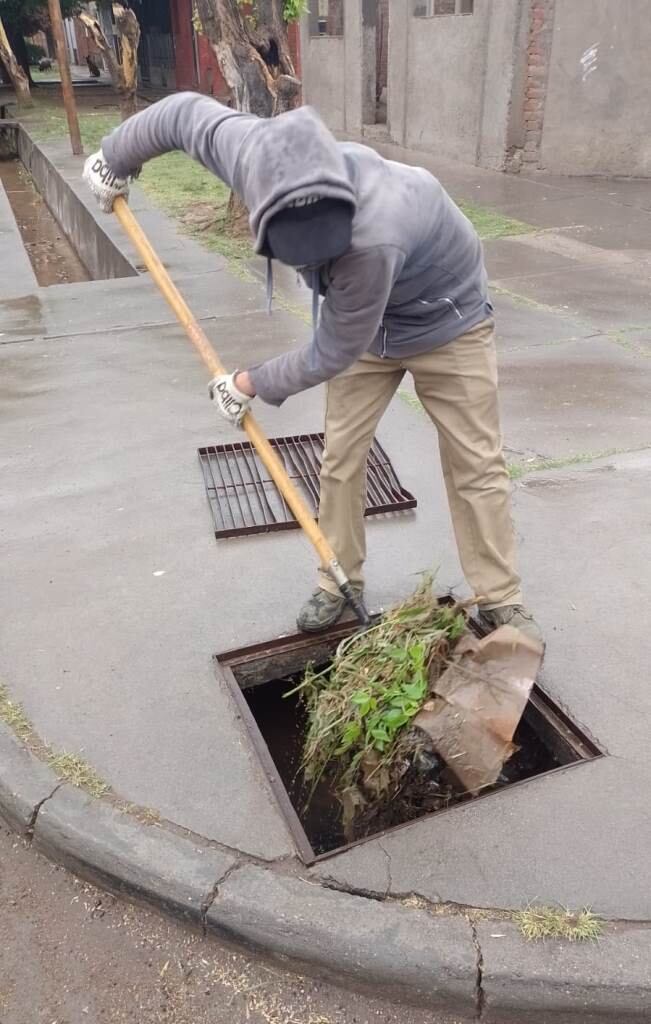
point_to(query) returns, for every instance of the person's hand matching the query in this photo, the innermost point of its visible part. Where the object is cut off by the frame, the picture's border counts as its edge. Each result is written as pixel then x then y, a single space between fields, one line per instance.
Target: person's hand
pixel 103 183
pixel 231 398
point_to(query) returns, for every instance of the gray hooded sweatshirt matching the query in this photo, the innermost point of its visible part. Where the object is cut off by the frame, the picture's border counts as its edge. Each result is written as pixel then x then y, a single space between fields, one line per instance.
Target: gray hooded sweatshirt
pixel 413 278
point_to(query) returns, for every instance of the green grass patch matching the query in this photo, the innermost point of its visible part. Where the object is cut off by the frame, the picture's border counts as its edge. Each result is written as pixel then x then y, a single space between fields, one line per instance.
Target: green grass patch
pixel 46 122
pixel 73 769
pixel 45 76
pixel 538 923
pixel 491 224
pixel 185 190
pixel 177 182
pixel 13 715
pixel 69 767
pixel 517 470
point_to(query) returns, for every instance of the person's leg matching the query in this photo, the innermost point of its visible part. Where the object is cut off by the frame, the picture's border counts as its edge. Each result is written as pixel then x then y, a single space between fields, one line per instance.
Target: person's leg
pixel 355 402
pixel 457 385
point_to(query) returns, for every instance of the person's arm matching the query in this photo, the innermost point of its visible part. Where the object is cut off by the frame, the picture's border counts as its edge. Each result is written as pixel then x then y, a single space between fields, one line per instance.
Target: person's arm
pixel 198 125
pixel 351 316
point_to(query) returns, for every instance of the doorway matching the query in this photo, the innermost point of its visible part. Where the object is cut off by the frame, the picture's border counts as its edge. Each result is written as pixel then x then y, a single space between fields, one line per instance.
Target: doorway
pixel 375 82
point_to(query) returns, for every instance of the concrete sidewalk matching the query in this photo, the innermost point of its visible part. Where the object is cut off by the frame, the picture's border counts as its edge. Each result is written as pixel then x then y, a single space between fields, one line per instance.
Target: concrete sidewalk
pixel 117 596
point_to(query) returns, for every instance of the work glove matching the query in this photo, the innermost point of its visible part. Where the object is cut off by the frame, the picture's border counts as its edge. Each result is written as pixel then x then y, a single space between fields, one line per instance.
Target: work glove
pixel 232 403
pixel 103 183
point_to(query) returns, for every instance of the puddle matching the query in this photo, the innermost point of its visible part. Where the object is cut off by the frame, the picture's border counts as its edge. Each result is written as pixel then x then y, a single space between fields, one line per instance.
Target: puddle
pixel 546 738
pixel 50 253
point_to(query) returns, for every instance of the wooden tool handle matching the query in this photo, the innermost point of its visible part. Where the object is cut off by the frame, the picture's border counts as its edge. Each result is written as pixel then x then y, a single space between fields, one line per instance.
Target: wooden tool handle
pixel 198 338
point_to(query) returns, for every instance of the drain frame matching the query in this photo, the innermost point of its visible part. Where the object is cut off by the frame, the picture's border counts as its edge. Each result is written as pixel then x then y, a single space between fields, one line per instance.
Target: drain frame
pixel 245 667
pixel 244 500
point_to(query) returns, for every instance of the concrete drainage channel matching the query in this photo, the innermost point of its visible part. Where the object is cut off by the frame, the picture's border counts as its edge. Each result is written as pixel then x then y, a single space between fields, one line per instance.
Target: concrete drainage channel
pixel 62 238
pixel 53 259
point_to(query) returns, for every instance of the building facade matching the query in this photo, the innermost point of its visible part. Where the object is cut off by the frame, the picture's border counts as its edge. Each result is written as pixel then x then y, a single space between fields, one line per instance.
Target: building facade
pixel 560 85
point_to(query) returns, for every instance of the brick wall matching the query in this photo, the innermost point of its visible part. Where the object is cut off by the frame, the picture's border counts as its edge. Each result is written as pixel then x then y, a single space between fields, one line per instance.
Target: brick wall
pixel 538 56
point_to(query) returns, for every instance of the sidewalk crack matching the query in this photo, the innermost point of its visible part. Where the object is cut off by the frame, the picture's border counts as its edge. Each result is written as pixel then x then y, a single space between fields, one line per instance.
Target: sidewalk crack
pixel 389 876
pixel 29 831
pixel 480 995
pixel 212 895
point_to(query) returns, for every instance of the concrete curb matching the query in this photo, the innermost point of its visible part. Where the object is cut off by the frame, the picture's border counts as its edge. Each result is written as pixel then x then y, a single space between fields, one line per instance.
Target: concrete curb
pixel 120 853
pixel 482 970
pixel 25 783
pixel 608 980
pixel 412 954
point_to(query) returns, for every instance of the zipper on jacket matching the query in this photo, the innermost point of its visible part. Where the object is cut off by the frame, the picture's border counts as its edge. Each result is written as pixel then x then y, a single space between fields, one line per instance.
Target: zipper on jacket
pixel 448 302
pixel 383 353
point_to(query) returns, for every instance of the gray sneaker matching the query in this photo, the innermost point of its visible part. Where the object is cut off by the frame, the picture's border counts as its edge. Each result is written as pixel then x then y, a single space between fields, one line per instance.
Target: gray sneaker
pixel 322 610
pixel 512 615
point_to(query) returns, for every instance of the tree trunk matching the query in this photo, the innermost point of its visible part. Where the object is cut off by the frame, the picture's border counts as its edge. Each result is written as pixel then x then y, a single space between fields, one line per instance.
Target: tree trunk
pixel 256 64
pixel 17 43
pixel 129 30
pixel 124 75
pixel 17 75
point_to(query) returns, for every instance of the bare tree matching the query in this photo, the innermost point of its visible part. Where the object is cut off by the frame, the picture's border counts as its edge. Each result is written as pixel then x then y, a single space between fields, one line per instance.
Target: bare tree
pixel 124 73
pixel 18 77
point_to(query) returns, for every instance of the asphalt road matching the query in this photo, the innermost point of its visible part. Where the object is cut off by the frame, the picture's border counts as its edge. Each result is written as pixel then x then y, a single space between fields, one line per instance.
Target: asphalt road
pixel 71 954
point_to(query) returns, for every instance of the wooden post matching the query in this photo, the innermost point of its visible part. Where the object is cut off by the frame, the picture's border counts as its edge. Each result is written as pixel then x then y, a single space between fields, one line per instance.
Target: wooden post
pixel 56 20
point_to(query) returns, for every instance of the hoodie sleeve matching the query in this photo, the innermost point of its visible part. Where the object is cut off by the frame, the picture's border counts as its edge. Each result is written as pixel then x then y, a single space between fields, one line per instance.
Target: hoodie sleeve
pixel 351 316
pixel 200 126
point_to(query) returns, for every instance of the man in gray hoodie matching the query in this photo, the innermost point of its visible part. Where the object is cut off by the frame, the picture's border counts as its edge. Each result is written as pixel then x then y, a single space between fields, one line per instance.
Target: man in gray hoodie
pixel 404 288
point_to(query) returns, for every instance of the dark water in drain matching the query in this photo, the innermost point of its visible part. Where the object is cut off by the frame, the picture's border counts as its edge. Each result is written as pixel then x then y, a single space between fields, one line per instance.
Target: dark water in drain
pixel 283 722
pixel 50 253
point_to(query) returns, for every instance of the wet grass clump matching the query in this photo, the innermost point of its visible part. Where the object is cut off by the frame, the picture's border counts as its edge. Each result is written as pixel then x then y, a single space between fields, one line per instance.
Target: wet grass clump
pixel 537 923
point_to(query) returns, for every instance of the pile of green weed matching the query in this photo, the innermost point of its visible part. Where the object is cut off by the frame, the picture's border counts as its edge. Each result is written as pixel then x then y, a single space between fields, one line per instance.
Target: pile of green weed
pixel 361 707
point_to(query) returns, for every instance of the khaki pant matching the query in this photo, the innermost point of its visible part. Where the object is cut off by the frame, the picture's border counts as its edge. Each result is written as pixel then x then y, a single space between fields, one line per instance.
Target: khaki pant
pixel 457 385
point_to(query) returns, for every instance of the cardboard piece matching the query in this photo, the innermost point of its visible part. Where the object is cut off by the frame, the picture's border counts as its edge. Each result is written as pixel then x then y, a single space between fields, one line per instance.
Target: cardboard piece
pixel 478 702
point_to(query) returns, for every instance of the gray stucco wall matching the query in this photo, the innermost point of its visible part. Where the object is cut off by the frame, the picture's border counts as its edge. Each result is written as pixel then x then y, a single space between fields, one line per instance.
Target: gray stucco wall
pixel 333 72
pixel 324 83
pixel 598 109
pixel 502 91
pixel 443 75
pixel 451 80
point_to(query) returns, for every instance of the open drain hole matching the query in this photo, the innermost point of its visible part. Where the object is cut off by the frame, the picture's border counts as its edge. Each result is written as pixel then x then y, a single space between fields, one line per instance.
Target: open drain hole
pixel 260 675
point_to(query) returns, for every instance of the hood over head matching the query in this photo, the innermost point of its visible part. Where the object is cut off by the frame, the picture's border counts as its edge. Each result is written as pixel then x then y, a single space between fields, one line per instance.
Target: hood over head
pixel 290 162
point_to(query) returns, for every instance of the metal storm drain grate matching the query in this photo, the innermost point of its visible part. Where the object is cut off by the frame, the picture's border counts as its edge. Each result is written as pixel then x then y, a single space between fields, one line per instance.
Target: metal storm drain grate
pixel 261 678
pixel 244 499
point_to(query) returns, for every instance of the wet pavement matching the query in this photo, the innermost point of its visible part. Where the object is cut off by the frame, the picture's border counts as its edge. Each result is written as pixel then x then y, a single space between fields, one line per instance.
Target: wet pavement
pixel 118 595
